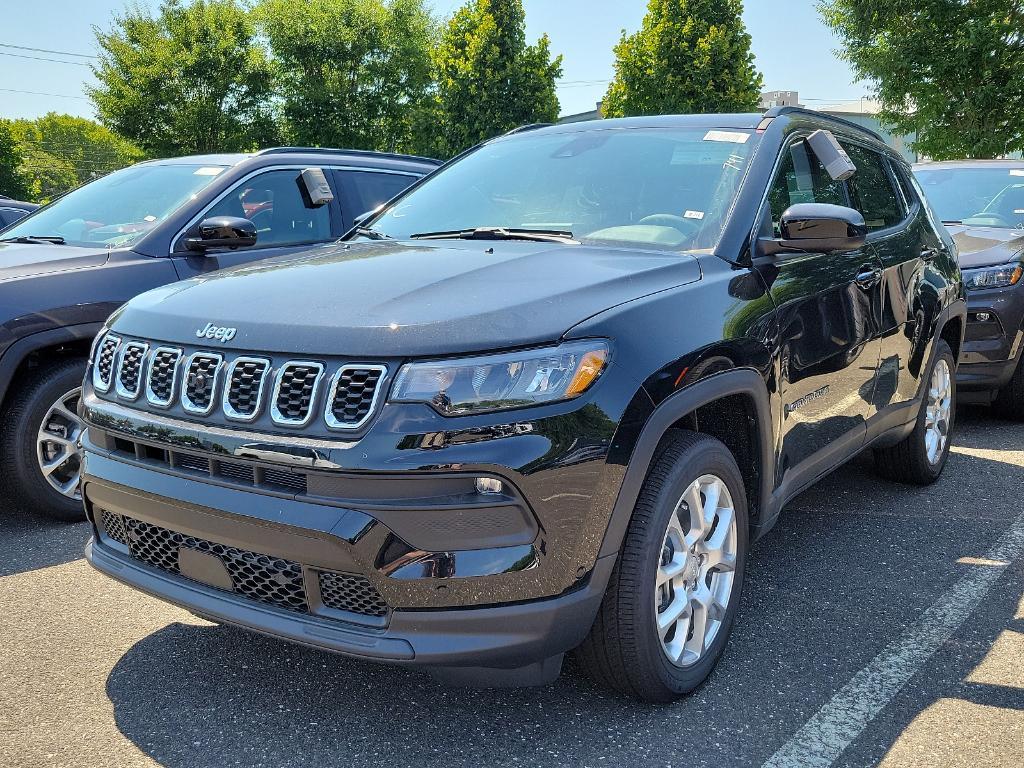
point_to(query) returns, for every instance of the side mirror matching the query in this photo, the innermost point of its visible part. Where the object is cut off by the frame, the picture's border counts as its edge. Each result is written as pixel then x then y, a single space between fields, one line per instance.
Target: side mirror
pixel 221 232
pixel 817 228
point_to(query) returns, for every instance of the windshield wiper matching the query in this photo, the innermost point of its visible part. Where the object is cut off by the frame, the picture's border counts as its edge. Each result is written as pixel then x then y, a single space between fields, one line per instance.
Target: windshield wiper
pixel 500 233
pixel 35 239
pixel 371 233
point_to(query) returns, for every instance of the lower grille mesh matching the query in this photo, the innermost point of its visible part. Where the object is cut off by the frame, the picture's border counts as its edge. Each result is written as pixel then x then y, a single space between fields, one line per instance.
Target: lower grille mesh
pixel 264 578
pixel 348 592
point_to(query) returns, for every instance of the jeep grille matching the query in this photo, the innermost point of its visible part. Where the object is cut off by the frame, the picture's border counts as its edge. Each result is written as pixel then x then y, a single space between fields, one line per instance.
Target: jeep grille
pixel 163 374
pixel 245 387
pixel 129 373
pixel 200 382
pixel 294 393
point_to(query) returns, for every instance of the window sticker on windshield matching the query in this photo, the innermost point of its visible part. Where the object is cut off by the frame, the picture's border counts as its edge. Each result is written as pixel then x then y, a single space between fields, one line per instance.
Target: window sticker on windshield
pixel 211 170
pixel 1017 171
pixel 733 137
pixel 698 215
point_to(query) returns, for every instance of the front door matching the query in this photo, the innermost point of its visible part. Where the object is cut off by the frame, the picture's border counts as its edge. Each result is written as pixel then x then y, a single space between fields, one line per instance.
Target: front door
pixel 828 309
pixel 273 201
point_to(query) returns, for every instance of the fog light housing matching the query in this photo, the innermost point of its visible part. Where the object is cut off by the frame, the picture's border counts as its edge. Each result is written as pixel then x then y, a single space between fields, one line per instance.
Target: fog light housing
pixel 489 486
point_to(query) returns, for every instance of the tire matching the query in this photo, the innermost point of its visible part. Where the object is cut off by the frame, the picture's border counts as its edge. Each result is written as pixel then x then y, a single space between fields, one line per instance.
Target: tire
pixel 21 421
pixel 1009 402
pixel 911 460
pixel 624 650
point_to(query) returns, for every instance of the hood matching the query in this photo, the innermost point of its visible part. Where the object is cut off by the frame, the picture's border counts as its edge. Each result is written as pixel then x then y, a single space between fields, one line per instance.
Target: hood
pixel 406 299
pixel 26 259
pixel 985 246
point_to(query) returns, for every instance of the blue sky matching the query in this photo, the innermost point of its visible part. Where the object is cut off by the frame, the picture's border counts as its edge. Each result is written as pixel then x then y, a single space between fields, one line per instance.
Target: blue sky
pixel 794 50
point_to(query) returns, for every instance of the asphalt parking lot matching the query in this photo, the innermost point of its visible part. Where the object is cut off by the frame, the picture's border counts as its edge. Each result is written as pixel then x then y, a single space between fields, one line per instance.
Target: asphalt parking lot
pixel 880 624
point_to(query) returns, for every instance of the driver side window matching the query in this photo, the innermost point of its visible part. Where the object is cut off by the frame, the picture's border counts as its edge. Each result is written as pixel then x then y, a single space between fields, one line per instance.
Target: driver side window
pixel 274 203
pixel 802 179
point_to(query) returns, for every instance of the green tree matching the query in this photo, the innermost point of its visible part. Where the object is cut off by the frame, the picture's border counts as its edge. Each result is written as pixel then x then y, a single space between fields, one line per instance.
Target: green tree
pixel 489 80
pixel 350 73
pixel 689 56
pixel 61 152
pixel 950 71
pixel 12 182
pixel 189 79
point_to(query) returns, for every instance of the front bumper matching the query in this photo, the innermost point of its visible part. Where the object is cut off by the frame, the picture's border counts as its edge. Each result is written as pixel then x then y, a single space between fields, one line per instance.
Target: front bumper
pixel 508 637
pixel 992 349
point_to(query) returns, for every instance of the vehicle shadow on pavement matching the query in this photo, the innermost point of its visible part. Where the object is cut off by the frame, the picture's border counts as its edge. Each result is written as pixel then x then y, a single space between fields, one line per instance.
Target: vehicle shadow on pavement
pixel 854 562
pixel 29 542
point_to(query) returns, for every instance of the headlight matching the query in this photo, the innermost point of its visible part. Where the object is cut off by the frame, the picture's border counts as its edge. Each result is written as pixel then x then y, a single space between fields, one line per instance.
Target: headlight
pixel 993 277
pixel 497 382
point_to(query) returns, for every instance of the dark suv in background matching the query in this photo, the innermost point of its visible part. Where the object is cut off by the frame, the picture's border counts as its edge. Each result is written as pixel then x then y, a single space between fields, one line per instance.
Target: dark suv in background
pixel 543 401
pixel 66 267
pixel 981 202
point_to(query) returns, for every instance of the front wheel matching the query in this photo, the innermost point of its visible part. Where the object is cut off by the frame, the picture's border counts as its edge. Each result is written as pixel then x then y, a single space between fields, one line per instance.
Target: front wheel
pixel 921 456
pixel 675 589
pixel 39 443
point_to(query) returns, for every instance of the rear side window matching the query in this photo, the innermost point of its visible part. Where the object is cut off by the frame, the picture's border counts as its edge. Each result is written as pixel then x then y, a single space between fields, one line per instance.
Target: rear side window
pixel 368 190
pixel 802 179
pixel 273 202
pixel 872 189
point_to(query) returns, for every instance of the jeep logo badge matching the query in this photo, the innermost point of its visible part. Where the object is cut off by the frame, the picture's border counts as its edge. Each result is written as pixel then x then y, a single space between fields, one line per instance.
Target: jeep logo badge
pixel 219 333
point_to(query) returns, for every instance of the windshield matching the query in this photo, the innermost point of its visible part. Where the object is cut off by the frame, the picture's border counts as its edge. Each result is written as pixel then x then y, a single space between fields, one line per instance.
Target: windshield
pixel 118 209
pixel 986 197
pixel 662 188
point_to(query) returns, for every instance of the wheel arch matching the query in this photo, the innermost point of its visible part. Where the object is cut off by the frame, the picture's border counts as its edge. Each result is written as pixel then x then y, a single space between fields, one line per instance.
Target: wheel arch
pixel 67 341
pixel 713 400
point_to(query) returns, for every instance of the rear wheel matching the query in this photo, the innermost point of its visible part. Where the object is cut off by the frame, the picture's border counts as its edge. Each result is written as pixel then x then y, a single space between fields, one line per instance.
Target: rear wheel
pixel 40 441
pixel 675 590
pixel 1009 402
pixel 921 456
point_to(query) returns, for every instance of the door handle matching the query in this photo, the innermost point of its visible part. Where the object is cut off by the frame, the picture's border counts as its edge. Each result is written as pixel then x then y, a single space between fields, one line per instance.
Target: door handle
pixel 868 277
pixel 930 254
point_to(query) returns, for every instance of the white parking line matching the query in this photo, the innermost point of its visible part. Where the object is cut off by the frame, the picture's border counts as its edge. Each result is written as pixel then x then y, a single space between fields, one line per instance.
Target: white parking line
pixel 836 725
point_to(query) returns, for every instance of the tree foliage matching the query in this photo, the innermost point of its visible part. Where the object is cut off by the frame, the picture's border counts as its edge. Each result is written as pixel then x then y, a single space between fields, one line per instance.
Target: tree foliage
pixel 60 152
pixel 689 56
pixel 489 80
pixel 951 71
pixel 189 79
pixel 350 73
pixel 12 182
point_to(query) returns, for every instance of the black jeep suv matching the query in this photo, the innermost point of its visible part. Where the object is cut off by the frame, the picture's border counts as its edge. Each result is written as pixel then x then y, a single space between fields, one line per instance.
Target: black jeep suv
pixel 981 202
pixel 543 401
pixel 65 268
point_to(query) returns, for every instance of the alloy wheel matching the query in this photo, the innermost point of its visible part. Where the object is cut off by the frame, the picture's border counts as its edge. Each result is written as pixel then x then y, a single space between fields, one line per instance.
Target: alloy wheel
pixel 58 445
pixel 696 572
pixel 939 409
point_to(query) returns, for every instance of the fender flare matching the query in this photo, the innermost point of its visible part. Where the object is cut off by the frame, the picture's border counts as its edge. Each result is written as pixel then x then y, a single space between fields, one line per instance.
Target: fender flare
pixel 738 381
pixel 15 354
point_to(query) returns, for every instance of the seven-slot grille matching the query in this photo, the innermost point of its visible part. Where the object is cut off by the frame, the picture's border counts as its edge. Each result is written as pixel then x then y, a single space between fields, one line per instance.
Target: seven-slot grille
pixel 244 393
pixel 353 395
pixel 251 386
pixel 163 374
pixel 105 363
pixel 129 372
pixel 200 382
pixel 294 393
pixel 260 577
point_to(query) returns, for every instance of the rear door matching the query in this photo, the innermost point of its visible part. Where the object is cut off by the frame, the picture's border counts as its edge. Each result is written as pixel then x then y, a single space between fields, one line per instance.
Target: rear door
pixel 272 199
pixel 828 310
pixel 900 236
pixel 366 189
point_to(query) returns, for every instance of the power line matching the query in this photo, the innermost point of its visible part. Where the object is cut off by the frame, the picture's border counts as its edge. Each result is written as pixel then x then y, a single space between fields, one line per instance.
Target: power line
pixel 43 58
pixel 47 50
pixel 41 93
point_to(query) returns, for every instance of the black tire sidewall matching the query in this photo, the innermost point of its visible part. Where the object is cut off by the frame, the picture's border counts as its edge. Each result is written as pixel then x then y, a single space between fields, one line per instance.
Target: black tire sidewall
pixel 706 457
pixel 22 418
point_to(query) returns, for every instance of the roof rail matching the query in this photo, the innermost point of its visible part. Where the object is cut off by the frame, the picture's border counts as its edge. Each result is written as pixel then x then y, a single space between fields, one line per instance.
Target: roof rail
pixel 528 127
pixel 357 152
pixel 779 111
